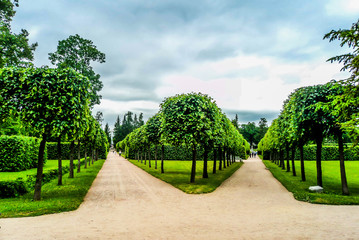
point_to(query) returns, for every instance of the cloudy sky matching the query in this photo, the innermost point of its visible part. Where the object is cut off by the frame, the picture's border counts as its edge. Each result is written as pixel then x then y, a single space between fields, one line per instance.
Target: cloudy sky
pixel 247 54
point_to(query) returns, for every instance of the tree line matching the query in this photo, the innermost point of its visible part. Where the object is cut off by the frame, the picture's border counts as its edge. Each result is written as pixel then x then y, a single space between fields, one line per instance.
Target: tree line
pixel 252 133
pixel 315 112
pixel 192 120
pixel 49 102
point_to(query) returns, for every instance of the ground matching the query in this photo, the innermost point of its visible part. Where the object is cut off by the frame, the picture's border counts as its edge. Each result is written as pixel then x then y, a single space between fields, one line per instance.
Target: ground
pixel 127 203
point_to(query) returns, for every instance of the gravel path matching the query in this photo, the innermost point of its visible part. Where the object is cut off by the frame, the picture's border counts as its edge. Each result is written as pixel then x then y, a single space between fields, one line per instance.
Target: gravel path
pixel 125 202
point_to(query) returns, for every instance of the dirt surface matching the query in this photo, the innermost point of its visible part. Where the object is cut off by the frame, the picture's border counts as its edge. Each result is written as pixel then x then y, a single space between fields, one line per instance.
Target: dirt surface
pixel 125 202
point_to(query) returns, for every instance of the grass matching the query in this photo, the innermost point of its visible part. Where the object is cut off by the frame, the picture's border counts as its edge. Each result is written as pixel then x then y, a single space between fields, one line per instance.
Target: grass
pixel 49 165
pixel 55 198
pixel 177 173
pixel 331 182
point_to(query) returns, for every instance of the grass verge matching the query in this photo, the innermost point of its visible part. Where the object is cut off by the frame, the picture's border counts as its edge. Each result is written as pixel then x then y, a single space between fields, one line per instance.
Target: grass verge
pixel 331 182
pixel 55 198
pixel 177 173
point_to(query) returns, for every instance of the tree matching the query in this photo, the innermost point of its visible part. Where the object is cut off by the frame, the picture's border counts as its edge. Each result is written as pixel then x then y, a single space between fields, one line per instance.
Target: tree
pixel 249 132
pixel 108 133
pixel 189 119
pixel 349 99
pixel 78 53
pixel 154 134
pixel 50 100
pixel 15 49
pixel 117 131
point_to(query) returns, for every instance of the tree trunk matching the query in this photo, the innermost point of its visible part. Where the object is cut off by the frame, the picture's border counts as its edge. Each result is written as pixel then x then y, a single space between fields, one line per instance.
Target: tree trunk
pixel 59 159
pixel 287 157
pixel 78 156
pixel 302 169
pixel 144 153
pixel 162 158
pixel 293 163
pixel 193 170
pixel 319 142
pixel 85 155
pixel 220 158
pixel 224 158
pixel 205 159
pixel 343 176
pixel 149 157
pixel 40 167
pixel 214 160
pixel 281 159
pixel 72 149
pixel 156 156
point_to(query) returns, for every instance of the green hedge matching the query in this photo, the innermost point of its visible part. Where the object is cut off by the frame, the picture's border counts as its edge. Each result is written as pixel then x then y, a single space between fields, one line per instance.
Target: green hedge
pixel 18 153
pixel 65 149
pixel 19 187
pixel 175 153
pixel 329 152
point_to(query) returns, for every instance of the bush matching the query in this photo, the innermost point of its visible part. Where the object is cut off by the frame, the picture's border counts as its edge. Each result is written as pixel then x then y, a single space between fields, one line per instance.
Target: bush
pixel 18 153
pixel 19 187
pixel 13 188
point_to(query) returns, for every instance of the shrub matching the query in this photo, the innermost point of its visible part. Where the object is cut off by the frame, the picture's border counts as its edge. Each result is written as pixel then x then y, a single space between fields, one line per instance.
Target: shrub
pixel 18 153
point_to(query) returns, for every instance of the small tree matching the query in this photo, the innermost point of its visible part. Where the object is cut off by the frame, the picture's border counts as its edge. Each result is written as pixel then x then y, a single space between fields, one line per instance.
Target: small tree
pixel 47 99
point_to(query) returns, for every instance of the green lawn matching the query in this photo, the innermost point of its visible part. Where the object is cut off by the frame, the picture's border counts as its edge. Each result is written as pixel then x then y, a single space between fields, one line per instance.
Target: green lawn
pixel 331 182
pixel 177 173
pixel 55 198
pixel 49 165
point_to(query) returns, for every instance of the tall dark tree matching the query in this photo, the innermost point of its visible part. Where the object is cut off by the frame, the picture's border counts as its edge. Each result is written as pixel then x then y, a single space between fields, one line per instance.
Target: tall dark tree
pixel 108 133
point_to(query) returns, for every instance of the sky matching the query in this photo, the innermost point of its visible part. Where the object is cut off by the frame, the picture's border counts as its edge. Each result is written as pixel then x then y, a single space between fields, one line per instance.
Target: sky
pixel 248 55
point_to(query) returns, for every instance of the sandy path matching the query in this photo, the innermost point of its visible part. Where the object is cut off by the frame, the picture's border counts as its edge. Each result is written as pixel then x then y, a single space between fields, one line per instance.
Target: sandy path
pixel 127 203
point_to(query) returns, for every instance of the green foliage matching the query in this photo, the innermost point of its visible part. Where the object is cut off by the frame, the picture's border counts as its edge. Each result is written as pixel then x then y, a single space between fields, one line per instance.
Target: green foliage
pixel 345 104
pixel 78 53
pixel 14 48
pixel 18 153
pixel 129 124
pixel 12 188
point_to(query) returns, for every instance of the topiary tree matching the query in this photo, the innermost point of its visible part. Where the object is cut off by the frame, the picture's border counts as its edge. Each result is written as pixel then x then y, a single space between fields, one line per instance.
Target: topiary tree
pixel 189 119
pixel 47 99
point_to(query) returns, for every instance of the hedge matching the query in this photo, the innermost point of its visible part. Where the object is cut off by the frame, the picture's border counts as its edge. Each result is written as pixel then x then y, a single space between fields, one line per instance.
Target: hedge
pixel 18 153
pixel 65 150
pixel 174 153
pixel 329 152
pixel 20 186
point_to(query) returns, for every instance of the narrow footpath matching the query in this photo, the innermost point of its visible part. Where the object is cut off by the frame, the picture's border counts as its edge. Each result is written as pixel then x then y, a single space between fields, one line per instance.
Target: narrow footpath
pixel 125 202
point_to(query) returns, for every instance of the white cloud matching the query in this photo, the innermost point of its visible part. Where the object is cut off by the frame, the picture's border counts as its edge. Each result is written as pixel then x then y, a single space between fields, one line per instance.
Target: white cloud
pixel 342 7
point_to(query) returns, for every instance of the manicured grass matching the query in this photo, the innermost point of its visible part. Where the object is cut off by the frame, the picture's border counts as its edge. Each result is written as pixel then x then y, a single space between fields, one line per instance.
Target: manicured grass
pixel 55 198
pixel 177 173
pixel 49 165
pixel 331 182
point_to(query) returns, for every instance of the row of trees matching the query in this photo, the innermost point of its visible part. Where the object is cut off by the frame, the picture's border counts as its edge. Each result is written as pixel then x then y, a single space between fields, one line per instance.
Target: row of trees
pixel 49 102
pixel 314 112
pixel 192 120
